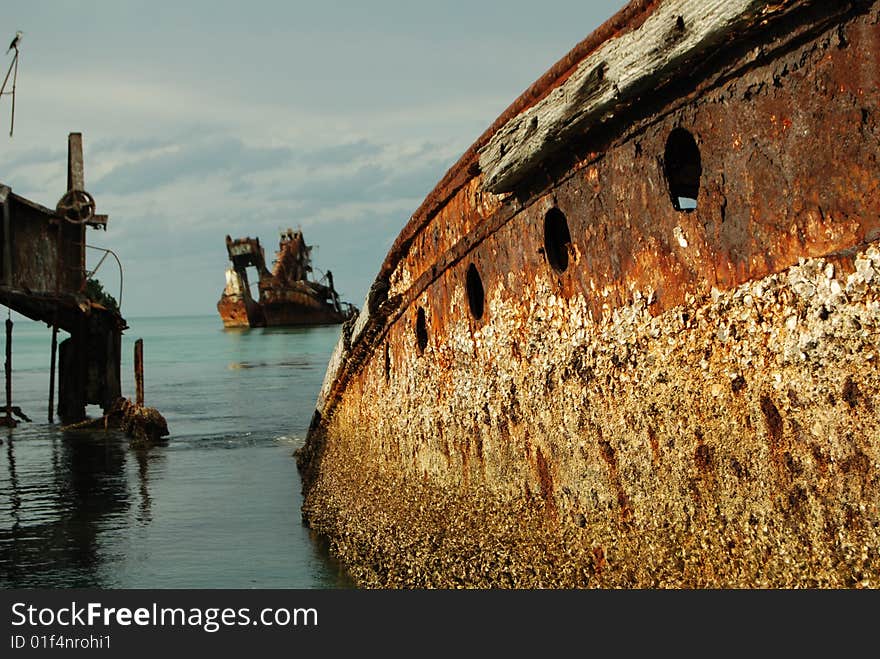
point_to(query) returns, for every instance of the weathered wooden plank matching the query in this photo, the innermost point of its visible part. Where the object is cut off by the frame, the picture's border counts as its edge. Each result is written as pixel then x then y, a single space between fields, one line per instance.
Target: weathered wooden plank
pixel 676 32
pixel 334 367
pixel 75 175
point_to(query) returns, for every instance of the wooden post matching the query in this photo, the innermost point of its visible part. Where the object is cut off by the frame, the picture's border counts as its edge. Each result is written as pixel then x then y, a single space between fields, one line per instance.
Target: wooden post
pixel 76 181
pixel 75 173
pixel 52 374
pixel 72 375
pixel 9 368
pixel 139 371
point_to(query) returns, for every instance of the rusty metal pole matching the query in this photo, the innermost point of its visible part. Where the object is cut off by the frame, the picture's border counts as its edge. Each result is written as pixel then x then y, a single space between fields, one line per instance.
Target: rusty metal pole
pixel 139 371
pixel 52 373
pixel 9 368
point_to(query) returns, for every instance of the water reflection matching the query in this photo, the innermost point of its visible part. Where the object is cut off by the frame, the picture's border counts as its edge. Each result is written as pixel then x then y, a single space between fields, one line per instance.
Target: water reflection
pixel 14 495
pixel 142 455
pixel 217 507
pixel 89 510
pixel 59 514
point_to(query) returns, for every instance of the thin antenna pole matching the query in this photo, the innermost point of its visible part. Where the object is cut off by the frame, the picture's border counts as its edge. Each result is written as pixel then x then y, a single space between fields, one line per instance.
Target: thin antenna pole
pixel 14 80
pixel 13 66
pixel 6 79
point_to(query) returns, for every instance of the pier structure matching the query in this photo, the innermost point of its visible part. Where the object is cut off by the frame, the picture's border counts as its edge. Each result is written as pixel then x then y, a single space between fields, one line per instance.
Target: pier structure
pixel 43 276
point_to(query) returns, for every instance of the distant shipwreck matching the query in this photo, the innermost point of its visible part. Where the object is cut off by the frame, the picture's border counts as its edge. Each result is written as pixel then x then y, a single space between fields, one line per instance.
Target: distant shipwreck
pixel 632 338
pixel 288 296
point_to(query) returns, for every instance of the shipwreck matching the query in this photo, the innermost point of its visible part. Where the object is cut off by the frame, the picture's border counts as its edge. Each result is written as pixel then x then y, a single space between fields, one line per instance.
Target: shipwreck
pixel 632 338
pixel 287 296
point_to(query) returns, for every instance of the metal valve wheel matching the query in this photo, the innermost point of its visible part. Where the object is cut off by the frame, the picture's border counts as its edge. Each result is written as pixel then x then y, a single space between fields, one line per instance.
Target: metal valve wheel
pixel 76 206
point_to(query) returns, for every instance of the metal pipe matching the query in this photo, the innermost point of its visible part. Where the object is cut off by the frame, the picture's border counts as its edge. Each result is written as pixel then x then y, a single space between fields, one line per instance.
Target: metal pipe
pixel 118 263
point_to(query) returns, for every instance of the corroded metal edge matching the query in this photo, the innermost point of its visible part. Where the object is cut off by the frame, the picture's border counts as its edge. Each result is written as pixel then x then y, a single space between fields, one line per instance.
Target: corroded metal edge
pixel 467 172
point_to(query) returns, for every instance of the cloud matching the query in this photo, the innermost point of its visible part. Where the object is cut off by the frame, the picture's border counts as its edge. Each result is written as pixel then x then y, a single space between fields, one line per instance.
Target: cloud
pixel 237 118
pixel 340 154
pixel 39 156
pixel 172 199
pixel 121 144
pixel 224 157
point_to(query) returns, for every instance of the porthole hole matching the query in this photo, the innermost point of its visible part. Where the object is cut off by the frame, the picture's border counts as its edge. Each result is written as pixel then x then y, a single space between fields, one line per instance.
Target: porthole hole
pixel 556 239
pixel 421 330
pixel 475 293
pixel 683 168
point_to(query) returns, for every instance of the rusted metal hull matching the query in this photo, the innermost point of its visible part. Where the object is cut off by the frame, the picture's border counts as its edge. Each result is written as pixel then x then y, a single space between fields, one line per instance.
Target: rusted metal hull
pixel 292 314
pixel 234 313
pixel 628 393
pixel 287 296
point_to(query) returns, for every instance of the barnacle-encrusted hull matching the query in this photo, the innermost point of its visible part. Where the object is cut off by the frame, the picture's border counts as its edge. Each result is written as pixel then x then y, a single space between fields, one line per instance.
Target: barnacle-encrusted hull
pixel 631 339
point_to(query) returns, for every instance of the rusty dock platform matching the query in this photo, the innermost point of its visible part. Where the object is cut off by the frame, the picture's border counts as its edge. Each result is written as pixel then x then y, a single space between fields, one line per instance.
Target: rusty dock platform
pixel 43 277
pixel 632 338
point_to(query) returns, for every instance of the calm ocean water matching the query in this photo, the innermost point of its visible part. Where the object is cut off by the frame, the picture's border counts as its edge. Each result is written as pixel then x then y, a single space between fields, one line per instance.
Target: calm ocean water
pixel 217 507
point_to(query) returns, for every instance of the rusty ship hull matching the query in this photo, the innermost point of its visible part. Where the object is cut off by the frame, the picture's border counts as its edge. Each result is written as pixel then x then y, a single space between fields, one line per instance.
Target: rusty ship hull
pixel 287 313
pixel 631 339
pixel 287 297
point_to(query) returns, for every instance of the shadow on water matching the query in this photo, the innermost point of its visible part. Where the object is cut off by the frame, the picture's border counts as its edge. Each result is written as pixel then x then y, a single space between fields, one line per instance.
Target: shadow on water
pixel 58 512
pixel 87 509
pixel 340 576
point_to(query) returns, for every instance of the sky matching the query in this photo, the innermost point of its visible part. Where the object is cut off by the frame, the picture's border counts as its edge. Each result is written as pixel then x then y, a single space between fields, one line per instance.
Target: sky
pixel 206 118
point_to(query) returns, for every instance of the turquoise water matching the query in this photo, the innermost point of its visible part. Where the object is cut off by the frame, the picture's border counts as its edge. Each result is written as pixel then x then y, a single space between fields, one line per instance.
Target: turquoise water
pixel 217 507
